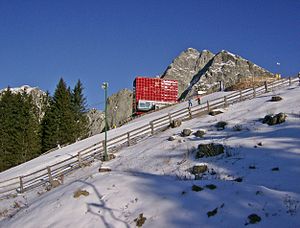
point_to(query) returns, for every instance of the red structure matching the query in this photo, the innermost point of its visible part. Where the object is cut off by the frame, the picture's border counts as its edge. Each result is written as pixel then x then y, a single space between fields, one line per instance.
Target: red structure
pixel 153 93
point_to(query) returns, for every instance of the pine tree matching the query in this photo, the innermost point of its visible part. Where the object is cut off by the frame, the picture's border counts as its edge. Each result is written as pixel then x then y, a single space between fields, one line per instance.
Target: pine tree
pixel 59 125
pixel 30 127
pixel 19 129
pixel 79 106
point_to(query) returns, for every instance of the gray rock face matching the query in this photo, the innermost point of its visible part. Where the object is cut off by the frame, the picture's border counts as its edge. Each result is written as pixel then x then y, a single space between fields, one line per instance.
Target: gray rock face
pixel 196 70
pixel 225 67
pixel 119 110
pixel 186 66
pixel 95 122
pixel 119 107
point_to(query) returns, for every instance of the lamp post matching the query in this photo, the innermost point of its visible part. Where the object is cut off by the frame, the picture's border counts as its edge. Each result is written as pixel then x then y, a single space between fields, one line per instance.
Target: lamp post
pixel 105 86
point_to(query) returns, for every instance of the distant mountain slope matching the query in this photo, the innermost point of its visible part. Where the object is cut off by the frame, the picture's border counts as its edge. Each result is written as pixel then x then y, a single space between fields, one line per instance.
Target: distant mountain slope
pixel 37 94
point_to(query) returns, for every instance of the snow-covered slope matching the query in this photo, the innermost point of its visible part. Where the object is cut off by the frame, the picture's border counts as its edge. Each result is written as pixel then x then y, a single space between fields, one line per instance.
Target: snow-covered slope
pixel 152 177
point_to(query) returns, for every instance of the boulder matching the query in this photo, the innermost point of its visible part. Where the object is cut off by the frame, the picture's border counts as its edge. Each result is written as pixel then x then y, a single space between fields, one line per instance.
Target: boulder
pixel 221 125
pixel 104 169
pixel 172 138
pixel 175 123
pixel 80 192
pixel 200 133
pixel 276 98
pixel 274 119
pixel 209 150
pixel 199 169
pixel 215 112
pixel 186 132
pixel 281 117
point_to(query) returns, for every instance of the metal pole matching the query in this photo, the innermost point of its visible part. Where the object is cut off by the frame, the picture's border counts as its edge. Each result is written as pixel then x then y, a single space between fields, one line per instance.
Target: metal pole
pixel 104 86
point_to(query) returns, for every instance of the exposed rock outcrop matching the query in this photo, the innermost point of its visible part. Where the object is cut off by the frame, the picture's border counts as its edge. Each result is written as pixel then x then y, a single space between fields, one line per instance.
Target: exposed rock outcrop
pixel 95 122
pixel 228 68
pixel 186 66
pixel 203 71
pixel 119 108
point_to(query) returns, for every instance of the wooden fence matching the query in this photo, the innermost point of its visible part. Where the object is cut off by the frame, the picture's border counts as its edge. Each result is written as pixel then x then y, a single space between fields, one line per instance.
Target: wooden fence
pixel 87 155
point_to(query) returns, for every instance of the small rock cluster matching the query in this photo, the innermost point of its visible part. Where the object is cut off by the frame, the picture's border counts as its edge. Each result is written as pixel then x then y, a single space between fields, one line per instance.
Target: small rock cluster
pixel 274 119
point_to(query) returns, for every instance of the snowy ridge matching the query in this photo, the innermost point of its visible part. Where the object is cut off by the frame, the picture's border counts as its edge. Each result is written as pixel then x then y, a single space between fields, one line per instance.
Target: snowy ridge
pixel 152 178
pixel 24 88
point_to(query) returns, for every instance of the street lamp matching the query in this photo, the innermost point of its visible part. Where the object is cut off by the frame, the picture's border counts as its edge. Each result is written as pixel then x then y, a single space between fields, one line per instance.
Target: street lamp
pixel 105 86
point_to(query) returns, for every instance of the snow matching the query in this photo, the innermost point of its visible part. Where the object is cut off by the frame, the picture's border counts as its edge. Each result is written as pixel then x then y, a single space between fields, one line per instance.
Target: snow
pixel 229 53
pixel 152 177
pixel 21 89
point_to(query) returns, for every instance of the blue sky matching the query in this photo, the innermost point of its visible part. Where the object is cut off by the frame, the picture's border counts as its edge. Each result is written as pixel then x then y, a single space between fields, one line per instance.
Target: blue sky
pixel 114 41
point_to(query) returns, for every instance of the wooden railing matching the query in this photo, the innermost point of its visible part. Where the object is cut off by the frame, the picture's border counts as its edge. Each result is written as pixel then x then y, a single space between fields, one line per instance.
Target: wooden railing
pixel 46 175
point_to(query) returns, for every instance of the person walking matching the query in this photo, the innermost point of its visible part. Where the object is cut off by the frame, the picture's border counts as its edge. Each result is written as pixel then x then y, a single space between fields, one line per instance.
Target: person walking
pixel 199 100
pixel 190 103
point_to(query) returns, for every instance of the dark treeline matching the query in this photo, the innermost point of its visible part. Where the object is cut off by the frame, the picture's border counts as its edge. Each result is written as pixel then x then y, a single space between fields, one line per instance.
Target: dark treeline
pixel 25 135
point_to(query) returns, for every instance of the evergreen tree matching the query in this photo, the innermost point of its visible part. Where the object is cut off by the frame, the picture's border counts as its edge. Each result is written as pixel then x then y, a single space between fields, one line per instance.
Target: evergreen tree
pixel 59 125
pixel 19 129
pixel 30 140
pixel 79 106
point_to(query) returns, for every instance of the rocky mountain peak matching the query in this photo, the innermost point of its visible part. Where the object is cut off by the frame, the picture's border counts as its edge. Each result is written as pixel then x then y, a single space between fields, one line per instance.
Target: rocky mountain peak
pixel 226 67
pixel 186 65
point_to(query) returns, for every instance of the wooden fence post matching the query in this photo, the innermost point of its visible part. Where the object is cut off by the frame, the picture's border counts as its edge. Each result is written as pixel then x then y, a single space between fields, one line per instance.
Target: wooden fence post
pixel 128 138
pixel 79 159
pixel 190 112
pixel 290 81
pixel 21 184
pixel 170 118
pixel 254 92
pixel 208 108
pixel 49 175
pixel 225 101
pixel 241 95
pixel 152 127
pixel 266 86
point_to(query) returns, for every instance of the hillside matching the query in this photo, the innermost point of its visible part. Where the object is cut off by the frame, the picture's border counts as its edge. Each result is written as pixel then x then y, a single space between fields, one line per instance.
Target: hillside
pixel 257 175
